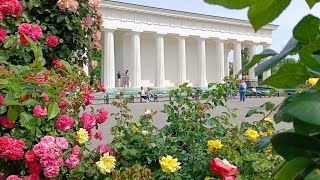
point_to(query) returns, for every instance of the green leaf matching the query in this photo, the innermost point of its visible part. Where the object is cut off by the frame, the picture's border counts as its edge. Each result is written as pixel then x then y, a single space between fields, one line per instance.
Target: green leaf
pixel 263 12
pixel 53 110
pixel 257 58
pixel 268 106
pixel 290 145
pixel 311 3
pixel 12 102
pixel 292 168
pixel 289 76
pixel 305 128
pixel 12 114
pixel 307 29
pixel 268 64
pixel 252 112
pixel 232 4
pixel 30 102
pixel 303 107
pixel 27 120
pixel 264 142
pixel 66 64
pixel 309 59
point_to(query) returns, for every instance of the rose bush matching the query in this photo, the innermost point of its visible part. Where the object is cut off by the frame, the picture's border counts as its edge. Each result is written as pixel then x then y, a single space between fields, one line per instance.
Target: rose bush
pixel 67 29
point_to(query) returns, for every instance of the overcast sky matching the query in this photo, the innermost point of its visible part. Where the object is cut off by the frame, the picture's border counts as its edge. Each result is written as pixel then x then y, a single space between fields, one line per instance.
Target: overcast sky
pixel 287 20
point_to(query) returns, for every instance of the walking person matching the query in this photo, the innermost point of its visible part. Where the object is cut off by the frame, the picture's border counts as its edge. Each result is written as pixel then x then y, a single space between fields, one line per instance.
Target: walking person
pixel 242 90
pixel 125 79
pixel 119 78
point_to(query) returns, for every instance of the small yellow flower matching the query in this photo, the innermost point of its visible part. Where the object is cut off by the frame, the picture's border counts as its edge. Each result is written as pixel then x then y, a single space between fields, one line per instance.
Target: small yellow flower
pixel 82 136
pixel 313 81
pixel 214 145
pixel 169 164
pixel 106 164
pixel 207 178
pixel 269 132
pixel 267 152
pixel 261 134
pixel 135 129
pixel 252 135
pixel 267 119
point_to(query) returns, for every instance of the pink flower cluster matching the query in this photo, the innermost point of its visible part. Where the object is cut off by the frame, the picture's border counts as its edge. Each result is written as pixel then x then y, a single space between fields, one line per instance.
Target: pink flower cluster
pixel 31 177
pixel 87 21
pixel 99 19
pixel 52 41
pixel 38 111
pixel 4 121
pixel 11 148
pixel 70 5
pixel 42 78
pixel 73 159
pixel 64 123
pixel 104 148
pixel 89 121
pixel 96 36
pixel 94 4
pixel 34 32
pixel 3 34
pixel 10 7
pixel 49 150
pixel 102 115
pixel 98 135
pixel 87 94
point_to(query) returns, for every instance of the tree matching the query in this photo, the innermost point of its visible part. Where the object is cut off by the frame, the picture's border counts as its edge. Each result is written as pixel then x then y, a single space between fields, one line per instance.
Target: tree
pixel 245 59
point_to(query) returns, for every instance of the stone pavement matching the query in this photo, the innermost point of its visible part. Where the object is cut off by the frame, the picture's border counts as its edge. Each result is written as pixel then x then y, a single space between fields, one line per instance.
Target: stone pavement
pixel 137 109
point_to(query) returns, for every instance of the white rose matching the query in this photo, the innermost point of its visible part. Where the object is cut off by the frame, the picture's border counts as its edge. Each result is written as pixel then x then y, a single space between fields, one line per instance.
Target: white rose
pixel 144 132
pixel 147 112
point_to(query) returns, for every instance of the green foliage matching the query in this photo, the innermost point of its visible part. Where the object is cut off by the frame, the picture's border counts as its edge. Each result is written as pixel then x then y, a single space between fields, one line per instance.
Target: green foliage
pixel 276 68
pixel 300 148
pixel 190 127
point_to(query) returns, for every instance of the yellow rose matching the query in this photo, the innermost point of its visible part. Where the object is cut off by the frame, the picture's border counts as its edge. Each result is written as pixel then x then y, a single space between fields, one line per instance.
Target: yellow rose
pixel 214 145
pixel 269 132
pixel 313 81
pixel 261 134
pixel 267 119
pixel 135 129
pixel 82 136
pixel 267 152
pixel 207 178
pixel 106 164
pixel 168 164
pixel 252 135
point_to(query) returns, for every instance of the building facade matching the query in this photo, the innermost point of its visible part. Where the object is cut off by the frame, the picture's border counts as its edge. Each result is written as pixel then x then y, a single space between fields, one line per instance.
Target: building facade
pixel 163 48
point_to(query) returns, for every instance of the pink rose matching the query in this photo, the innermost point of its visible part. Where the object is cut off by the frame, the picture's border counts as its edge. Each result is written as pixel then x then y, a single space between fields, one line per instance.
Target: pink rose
pixel 1 16
pixel 48 139
pixel 87 21
pixel 12 7
pixel 36 32
pixel 94 4
pixel 1 100
pixel 24 28
pixel 5 123
pixel 3 34
pixel 72 161
pixel 76 150
pixel 68 89
pixel 104 148
pixel 51 171
pixel 57 63
pixel 99 135
pixel 96 36
pixel 223 168
pixel 49 160
pixel 13 177
pixel 64 123
pixel 40 149
pixel 88 121
pixel 39 112
pixel 102 116
pixel 52 41
pixel 62 143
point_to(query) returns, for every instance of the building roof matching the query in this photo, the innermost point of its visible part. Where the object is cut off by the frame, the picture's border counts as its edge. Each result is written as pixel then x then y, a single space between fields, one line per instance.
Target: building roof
pixel 180 14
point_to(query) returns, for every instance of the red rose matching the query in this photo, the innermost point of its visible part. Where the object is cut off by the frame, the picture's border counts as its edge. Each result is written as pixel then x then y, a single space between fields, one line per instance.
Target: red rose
pixel 12 7
pixel 30 156
pixel 35 168
pixel 1 17
pixel 52 41
pixel 224 169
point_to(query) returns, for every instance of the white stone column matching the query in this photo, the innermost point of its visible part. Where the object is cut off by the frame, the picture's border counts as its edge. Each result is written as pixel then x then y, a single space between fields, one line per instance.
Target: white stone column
pixel 108 66
pixel 202 62
pixel 160 71
pixel 267 73
pixel 237 64
pixel 136 80
pixel 252 52
pixel 220 55
pixel 226 62
pixel 182 59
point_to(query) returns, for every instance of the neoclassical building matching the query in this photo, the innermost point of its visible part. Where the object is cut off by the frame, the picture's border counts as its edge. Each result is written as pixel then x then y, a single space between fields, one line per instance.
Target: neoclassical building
pixel 163 48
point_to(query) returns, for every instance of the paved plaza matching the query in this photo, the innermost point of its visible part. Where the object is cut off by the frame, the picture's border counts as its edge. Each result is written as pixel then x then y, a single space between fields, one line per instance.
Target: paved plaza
pixel 137 109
